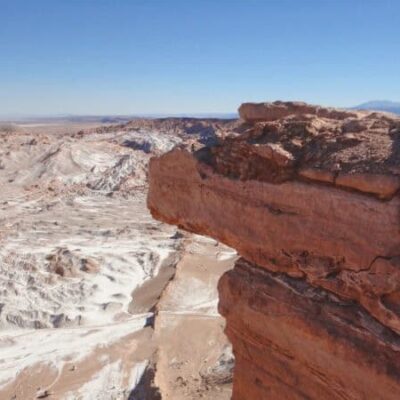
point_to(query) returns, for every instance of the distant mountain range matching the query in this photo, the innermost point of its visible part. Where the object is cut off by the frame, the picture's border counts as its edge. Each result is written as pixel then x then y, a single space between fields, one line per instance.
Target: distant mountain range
pixel 380 105
pixel 107 119
pixel 375 105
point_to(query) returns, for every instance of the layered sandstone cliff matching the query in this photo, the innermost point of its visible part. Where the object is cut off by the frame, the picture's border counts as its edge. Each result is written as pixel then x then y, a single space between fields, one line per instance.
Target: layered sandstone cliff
pixel 309 198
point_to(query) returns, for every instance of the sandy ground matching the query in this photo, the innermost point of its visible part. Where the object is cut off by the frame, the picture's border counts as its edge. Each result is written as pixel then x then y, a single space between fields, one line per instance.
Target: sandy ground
pixel 108 365
pixel 95 296
pixel 194 357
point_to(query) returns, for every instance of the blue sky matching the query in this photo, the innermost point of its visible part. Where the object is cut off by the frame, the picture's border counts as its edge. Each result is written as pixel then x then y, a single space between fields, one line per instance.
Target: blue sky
pixel 148 56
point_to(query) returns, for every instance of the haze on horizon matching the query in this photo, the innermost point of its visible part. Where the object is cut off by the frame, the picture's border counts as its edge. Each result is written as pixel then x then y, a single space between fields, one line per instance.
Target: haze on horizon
pixel 176 57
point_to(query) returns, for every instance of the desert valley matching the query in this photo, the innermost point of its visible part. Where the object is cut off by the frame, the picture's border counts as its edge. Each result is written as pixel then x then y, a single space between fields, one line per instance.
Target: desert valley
pixel 97 299
pixel 107 291
pixel 199 200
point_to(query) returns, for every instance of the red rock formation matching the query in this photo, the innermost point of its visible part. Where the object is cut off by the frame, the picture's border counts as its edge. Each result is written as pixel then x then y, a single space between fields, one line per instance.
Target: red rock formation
pixel 308 196
pixel 293 341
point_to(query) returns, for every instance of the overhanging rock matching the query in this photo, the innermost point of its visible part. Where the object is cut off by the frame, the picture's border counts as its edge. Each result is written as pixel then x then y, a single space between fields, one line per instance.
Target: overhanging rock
pixel 308 198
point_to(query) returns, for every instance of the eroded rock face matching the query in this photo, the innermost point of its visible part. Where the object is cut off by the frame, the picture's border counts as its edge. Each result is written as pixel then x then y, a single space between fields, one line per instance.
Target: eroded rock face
pixel 254 112
pixel 310 194
pixel 294 341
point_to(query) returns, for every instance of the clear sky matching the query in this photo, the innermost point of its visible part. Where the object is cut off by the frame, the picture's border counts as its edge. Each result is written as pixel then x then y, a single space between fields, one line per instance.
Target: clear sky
pixel 172 56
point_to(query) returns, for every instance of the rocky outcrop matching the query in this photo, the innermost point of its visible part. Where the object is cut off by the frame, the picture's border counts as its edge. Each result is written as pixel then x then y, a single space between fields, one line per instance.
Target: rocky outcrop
pixel 295 341
pixel 252 112
pixel 308 197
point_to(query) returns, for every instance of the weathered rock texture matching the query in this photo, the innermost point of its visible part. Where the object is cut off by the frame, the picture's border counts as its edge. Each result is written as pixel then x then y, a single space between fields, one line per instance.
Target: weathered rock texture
pixel 309 198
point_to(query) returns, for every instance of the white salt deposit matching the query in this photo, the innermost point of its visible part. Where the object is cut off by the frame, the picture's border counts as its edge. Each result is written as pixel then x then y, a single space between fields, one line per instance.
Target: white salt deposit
pixel 23 348
pixel 71 254
pixel 123 242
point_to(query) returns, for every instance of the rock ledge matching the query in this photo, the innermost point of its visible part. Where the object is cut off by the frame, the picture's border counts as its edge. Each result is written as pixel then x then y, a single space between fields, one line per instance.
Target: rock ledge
pixel 308 196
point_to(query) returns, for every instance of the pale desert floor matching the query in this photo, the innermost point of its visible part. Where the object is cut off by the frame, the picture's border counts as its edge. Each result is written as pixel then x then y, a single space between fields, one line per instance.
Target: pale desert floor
pixel 97 300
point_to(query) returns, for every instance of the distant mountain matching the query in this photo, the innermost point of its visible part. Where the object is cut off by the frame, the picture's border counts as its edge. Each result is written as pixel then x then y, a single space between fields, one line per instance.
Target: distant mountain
pixel 108 119
pixel 380 105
